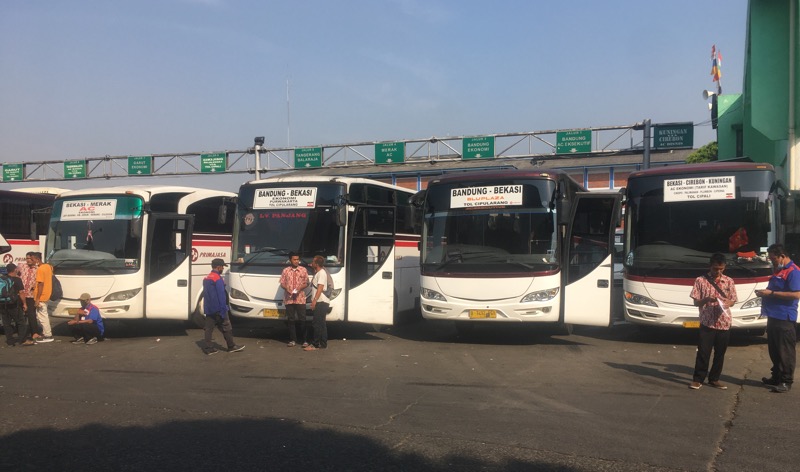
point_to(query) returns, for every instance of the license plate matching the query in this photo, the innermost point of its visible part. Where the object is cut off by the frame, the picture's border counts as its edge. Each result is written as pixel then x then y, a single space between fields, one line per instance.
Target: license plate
pixel 482 314
pixel 691 324
pixel 271 313
pixel 74 311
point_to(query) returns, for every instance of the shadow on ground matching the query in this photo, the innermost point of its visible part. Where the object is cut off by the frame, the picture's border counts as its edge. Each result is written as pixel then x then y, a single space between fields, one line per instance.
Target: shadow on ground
pixel 238 445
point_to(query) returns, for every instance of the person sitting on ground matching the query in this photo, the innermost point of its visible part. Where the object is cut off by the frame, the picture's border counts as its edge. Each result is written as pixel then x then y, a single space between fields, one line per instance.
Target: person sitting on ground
pixel 87 326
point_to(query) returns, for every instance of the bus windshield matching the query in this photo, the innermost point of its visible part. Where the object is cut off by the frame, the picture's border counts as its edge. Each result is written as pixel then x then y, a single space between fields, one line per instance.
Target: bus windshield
pixel 675 236
pixel 279 218
pixel 96 235
pixel 490 229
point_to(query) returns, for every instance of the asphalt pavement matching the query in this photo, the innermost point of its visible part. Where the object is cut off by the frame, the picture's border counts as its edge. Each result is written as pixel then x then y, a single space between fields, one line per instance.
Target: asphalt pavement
pixel 414 397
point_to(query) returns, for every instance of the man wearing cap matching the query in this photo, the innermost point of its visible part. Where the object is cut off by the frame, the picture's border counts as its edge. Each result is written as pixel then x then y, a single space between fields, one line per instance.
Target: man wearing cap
pixel 215 306
pixel 87 326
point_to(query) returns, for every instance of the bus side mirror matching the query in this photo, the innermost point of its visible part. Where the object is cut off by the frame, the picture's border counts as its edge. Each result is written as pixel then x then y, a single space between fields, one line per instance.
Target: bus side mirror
pixel 222 214
pixel 563 210
pixel 788 210
pixel 416 202
pixel 136 228
pixel 341 213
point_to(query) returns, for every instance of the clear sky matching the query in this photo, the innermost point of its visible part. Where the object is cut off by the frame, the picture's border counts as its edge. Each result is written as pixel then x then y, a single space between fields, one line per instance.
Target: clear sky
pixel 97 77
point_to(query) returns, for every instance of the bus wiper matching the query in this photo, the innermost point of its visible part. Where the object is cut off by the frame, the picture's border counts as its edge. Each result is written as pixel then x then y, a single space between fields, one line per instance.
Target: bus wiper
pixel 271 250
pixel 452 256
pixel 739 265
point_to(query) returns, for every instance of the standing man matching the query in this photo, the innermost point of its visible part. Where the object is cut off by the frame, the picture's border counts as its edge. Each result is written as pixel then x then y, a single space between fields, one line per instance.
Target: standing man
pixel 319 304
pixel 779 304
pixel 713 294
pixel 215 306
pixel 294 280
pixel 41 295
pixel 87 327
pixel 27 272
pixel 12 306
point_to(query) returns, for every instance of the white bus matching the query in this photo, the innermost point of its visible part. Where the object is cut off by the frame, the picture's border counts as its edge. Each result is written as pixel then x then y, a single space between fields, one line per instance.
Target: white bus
pixel 516 246
pixel 363 228
pixel 141 252
pixel 676 217
pixel 24 215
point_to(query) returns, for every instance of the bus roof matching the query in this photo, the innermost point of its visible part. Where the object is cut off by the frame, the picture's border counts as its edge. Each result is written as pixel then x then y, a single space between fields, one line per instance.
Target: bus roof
pixel 550 174
pixel 144 191
pixel 322 178
pixel 704 168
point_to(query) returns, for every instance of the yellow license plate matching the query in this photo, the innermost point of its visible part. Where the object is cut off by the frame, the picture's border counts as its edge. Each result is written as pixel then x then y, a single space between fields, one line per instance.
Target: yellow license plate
pixel 271 313
pixel 482 314
pixel 691 324
pixel 75 311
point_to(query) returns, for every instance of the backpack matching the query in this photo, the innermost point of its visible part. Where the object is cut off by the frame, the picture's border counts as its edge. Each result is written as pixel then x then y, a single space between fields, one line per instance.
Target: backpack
pixel 7 293
pixel 56 293
pixel 328 285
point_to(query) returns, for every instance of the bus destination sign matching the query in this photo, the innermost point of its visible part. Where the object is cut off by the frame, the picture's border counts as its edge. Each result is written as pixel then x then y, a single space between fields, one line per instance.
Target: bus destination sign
pixel 700 188
pixel 490 196
pixel 298 197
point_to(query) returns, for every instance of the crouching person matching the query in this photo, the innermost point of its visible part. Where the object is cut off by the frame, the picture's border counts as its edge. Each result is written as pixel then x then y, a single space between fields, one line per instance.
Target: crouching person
pixel 87 326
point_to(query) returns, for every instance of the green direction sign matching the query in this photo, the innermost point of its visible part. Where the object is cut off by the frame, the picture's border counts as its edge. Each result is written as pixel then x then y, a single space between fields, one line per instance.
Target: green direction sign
pixel 75 169
pixel 479 147
pixel 576 141
pixel 390 153
pixel 13 172
pixel 217 162
pixel 673 136
pixel 140 165
pixel 305 158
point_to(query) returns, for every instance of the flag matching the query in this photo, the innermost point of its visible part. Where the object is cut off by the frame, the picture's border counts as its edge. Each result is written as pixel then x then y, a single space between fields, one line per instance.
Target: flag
pixel 716 67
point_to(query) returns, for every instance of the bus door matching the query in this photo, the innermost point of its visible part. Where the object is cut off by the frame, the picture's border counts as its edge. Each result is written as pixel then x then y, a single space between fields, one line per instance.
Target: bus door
pixel 588 277
pixel 168 266
pixel 370 266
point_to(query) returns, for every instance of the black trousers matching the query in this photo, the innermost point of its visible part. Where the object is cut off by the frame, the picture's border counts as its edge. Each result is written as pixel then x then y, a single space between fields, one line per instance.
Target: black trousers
pixel 319 325
pixel 296 320
pixel 223 324
pixel 781 341
pixel 30 314
pixel 86 331
pixel 709 339
pixel 11 316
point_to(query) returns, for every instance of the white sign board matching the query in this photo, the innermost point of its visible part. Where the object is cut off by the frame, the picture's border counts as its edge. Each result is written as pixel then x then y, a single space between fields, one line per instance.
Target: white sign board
pixel 73 210
pixel 491 196
pixel 267 198
pixel 700 188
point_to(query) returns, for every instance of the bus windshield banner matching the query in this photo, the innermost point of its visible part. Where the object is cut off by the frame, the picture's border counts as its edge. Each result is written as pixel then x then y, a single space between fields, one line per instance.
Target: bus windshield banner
pixel 490 196
pixel 700 188
pixel 88 210
pixel 265 198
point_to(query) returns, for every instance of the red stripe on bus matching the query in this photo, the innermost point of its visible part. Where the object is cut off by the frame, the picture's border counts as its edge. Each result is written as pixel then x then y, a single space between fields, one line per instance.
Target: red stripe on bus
pixel 211 243
pixel 690 281
pixel 213 237
pixel 406 244
pixel 22 242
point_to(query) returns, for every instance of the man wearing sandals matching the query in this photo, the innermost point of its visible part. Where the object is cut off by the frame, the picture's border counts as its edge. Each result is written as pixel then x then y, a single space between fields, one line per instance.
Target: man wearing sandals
pixel 713 294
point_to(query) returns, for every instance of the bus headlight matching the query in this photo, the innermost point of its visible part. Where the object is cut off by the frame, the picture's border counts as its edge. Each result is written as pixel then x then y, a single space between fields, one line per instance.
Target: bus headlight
pixel 122 296
pixel 432 294
pixel 239 295
pixel 540 296
pixel 638 299
pixel 752 303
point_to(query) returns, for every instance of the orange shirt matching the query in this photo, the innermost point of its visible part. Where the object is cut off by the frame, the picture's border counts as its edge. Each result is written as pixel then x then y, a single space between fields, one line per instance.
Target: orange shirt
pixel 44 274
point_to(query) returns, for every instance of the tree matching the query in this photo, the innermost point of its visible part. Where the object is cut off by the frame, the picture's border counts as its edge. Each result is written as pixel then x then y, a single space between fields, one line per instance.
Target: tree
pixel 704 154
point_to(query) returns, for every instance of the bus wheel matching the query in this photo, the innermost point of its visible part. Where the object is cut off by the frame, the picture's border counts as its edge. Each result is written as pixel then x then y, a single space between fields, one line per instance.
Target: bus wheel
pixel 564 329
pixel 197 319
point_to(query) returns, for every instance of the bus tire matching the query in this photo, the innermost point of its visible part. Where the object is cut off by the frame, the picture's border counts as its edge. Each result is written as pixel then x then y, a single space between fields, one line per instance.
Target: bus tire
pixel 197 319
pixel 564 329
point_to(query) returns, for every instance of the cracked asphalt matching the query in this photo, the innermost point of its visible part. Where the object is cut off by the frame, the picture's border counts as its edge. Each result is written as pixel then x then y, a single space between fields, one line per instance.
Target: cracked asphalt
pixel 414 397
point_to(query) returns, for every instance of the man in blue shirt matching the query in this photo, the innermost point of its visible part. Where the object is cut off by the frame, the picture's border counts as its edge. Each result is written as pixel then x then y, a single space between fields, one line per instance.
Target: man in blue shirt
pixel 215 306
pixel 779 303
pixel 87 326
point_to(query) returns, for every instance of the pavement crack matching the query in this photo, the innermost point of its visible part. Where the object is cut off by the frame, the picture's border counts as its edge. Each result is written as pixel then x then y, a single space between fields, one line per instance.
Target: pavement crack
pixel 729 421
pixel 397 415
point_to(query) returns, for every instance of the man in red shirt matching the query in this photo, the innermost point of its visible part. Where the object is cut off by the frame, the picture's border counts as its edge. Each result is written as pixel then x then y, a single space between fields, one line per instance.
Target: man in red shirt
pixel 294 280
pixel 713 294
